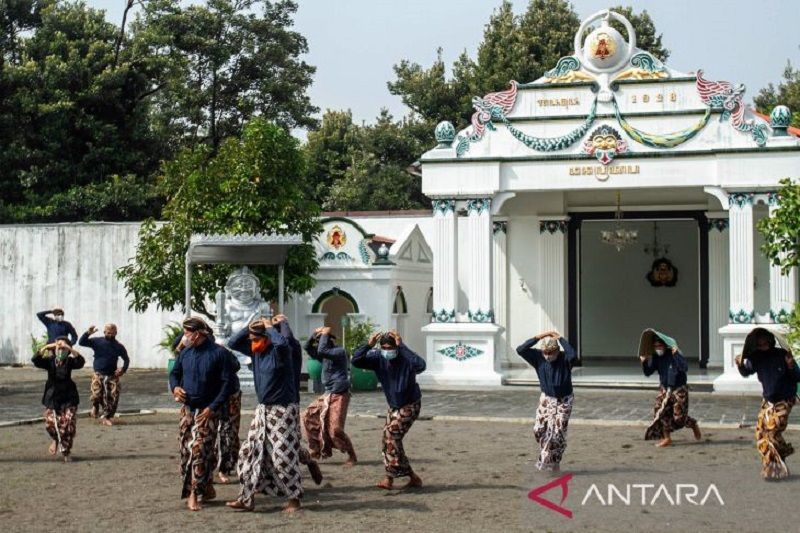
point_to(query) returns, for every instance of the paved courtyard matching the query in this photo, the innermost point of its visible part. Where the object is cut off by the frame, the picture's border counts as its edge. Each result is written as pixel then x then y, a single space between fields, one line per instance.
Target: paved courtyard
pixel 21 389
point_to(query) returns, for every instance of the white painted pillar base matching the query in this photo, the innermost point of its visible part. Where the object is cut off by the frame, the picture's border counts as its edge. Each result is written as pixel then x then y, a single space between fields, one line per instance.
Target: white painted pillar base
pixel 460 354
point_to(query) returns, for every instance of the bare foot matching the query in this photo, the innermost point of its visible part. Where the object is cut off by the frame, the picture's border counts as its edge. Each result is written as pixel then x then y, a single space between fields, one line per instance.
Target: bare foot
pixel 223 478
pixel 414 481
pixel 92 413
pixel 193 504
pixel 386 483
pixel 292 506
pixel 53 448
pixel 316 473
pixel 696 431
pixel 68 458
pixel 351 461
pixel 555 470
pixel 315 456
pixel 663 443
pixel 106 421
pixel 238 505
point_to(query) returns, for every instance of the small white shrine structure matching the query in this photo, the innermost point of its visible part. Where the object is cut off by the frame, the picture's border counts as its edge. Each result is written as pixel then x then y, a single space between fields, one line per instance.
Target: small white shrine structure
pixel 611 195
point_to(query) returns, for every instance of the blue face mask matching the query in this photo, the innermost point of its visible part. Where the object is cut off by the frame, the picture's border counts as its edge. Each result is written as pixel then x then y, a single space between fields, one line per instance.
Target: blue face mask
pixel 388 354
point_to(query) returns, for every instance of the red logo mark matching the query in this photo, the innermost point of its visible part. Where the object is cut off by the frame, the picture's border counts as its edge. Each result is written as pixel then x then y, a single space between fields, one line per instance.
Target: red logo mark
pixel 563 481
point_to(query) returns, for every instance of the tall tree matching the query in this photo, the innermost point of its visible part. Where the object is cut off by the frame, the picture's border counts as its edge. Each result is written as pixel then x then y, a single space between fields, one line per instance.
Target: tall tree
pixel 252 184
pixel 786 93
pixel 229 60
pixel 329 151
pixel 515 47
pixel 69 115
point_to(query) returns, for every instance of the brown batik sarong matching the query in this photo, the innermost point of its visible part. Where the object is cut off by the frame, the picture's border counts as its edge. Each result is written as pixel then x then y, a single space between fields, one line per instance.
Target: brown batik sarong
pixel 269 457
pixel 670 413
pixel 197 442
pixel 228 441
pixel 323 422
pixel 772 420
pixel 104 395
pixel 61 426
pixel 398 422
pixel 550 429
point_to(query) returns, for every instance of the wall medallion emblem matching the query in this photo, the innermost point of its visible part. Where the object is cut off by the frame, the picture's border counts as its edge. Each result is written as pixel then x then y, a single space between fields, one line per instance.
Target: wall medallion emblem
pixel 336 237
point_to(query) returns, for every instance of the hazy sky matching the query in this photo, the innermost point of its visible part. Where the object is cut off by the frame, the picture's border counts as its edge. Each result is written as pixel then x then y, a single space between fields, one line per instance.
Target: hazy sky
pixel 355 43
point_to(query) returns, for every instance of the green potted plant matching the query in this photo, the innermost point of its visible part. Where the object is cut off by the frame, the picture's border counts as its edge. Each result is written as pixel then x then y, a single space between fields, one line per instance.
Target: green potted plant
pixel 356 333
pixel 171 332
pixel 38 344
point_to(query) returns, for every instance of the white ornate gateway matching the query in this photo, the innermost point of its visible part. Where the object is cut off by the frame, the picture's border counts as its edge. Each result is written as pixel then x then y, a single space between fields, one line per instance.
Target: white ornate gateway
pixel 526 204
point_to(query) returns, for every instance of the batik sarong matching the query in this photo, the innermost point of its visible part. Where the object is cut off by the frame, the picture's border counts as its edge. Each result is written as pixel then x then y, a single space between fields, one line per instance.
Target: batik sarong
pixel 772 420
pixel 550 429
pixel 61 426
pixel 228 441
pixel 104 395
pixel 269 457
pixel 197 444
pixel 398 422
pixel 670 413
pixel 324 422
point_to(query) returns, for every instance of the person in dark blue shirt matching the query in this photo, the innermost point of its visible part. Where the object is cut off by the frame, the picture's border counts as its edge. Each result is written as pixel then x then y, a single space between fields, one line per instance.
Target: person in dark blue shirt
pixel 553 361
pixel 60 398
pixel 57 326
pixel 105 388
pixel 779 374
pixel 659 353
pixel 269 459
pixel 396 367
pixel 325 417
pixel 200 380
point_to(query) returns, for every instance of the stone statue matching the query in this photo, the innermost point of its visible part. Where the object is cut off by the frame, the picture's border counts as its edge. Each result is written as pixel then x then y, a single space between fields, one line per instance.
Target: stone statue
pixel 241 302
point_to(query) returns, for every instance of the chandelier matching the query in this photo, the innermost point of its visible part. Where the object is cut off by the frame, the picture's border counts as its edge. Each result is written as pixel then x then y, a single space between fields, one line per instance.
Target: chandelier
pixel 619 237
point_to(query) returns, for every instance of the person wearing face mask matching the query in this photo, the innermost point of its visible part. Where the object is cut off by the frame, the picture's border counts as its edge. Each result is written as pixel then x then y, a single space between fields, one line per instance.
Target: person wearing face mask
pixel 57 326
pixel 60 397
pixel 325 418
pixel 779 374
pixel 396 367
pixel 105 388
pixel 200 380
pixel 553 361
pixel 660 353
pixel 269 457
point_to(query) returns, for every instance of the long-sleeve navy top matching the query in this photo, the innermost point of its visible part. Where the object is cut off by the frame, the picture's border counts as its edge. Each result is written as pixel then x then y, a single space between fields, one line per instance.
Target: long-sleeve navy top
pixel 398 376
pixel 273 370
pixel 57 329
pixel 297 355
pixel 204 372
pixel 555 377
pixel 671 368
pixel 778 381
pixel 59 391
pixel 334 364
pixel 106 353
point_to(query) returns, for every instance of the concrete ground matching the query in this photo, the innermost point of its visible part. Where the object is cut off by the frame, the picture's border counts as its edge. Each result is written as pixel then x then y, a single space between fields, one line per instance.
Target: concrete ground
pixel 477 477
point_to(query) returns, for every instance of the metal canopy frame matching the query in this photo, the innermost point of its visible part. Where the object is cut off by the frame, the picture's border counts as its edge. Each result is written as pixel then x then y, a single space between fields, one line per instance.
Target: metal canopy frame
pixel 249 249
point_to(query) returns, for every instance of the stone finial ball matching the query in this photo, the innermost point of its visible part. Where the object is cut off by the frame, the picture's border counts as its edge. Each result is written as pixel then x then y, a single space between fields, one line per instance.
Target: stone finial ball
pixel 780 117
pixel 445 133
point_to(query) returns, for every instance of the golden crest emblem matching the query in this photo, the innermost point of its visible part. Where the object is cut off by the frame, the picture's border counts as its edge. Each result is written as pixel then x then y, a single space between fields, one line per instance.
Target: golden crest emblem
pixel 336 237
pixel 603 46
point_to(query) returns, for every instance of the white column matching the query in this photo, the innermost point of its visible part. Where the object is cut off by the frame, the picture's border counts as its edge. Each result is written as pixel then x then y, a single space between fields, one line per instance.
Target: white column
pixel 742 294
pixel 552 282
pixel 718 285
pixel 782 288
pixel 479 243
pixel 500 285
pixel 445 261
